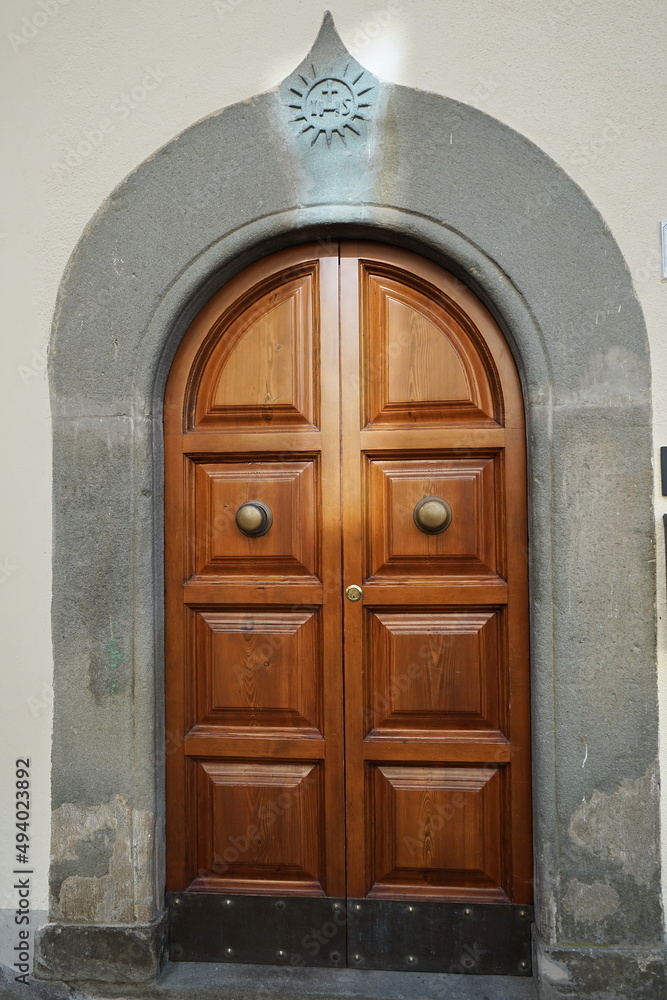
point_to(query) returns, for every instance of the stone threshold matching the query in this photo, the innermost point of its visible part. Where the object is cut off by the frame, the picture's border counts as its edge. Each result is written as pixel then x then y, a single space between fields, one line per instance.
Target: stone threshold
pixel 210 981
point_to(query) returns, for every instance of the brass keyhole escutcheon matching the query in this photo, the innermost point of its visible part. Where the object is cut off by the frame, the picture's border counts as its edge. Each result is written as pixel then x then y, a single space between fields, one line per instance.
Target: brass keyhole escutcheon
pixel 254 518
pixel 354 593
pixel 432 515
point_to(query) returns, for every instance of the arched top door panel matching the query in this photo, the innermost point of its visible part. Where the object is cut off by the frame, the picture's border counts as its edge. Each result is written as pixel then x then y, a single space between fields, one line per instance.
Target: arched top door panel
pixel 260 367
pixel 431 352
pixel 251 358
pixel 435 364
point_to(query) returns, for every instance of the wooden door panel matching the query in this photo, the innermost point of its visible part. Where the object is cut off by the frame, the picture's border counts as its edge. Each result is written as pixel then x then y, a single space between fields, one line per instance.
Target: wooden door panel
pixel 258 827
pixel 437 832
pixel 434 672
pixel 253 630
pixel 263 368
pixel 341 390
pixel 398 548
pixel 289 549
pixel 259 670
pixel 420 362
pixel 438 651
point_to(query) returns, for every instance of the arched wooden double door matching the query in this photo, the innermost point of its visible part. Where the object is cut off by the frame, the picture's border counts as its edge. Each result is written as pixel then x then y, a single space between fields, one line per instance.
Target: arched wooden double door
pixel 348 780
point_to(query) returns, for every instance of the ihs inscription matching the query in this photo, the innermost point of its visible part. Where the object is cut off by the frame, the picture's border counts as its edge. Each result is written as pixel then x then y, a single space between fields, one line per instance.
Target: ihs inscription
pixel 331 105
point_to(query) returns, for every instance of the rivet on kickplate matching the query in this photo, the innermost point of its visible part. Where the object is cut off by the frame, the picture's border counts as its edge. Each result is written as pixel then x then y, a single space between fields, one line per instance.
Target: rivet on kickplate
pixel 467 912
pixel 523 965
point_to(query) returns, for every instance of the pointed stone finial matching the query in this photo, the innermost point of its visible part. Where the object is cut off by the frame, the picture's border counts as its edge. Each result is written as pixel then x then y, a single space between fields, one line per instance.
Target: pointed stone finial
pixel 328 37
pixel 330 95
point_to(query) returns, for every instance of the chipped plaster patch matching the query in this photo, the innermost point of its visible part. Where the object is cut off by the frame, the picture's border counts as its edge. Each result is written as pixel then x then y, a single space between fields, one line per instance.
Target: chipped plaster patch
pixel 622 826
pixel 123 894
pixel 646 960
pixel 547 913
pixel 85 897
pixel 72 824
pixel 590 902
pixel 554 972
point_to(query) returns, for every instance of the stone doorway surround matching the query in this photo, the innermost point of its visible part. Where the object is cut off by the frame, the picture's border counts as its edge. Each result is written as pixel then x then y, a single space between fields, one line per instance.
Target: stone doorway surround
pixel 427 173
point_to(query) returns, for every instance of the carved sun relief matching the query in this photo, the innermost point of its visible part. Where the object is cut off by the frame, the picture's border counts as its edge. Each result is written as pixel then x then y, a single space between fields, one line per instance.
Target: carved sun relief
pixel 331 105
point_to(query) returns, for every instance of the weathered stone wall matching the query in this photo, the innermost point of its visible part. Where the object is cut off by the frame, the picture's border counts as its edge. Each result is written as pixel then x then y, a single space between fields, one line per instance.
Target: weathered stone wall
pixel 447 180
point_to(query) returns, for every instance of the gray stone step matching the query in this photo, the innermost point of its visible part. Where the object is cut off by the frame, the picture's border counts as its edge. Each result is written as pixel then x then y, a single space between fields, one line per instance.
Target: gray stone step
pixel 208 981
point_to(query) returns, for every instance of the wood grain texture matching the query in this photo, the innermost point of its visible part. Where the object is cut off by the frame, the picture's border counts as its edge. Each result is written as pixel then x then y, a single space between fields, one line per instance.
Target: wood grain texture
pixel 437 653
pixel 420 353
pixel 263 364
pixel 256 829
pixel 395 731
pixel 437 833
pixel 397 547
pixel 289 549
pixel 429 673
pixel 253 624
pixel 259 669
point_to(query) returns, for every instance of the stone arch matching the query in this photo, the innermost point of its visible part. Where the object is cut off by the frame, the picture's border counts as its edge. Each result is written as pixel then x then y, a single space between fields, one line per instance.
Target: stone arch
pixel 452 183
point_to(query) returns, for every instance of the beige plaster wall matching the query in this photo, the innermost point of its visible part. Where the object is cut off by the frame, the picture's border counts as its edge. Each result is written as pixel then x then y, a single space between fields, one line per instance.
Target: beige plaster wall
pixel 96 88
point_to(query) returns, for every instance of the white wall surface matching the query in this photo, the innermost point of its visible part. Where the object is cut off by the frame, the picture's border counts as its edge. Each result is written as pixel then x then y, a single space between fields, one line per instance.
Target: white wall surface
pixel 583 79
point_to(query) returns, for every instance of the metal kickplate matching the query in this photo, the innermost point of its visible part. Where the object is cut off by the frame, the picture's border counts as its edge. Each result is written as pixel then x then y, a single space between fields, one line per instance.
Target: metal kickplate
pixel 263 930
pixel 405 936
pixel 392 935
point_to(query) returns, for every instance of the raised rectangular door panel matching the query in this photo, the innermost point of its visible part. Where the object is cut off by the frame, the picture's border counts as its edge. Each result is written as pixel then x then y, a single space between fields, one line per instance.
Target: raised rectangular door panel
pixel 258 827
pixel 433 673
pixel 290 549
pixel 437 832
pixel 259 670
pixel 396 546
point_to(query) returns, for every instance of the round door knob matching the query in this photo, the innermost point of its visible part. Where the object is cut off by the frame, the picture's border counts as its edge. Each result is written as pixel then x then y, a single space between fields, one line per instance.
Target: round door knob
pixel 432 515
pixel 254 518
pixel 354 593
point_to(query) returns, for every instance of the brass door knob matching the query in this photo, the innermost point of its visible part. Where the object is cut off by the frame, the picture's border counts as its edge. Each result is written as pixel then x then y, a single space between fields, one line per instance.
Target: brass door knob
pixel 432 515
pixel 254 518
pixel 354 593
